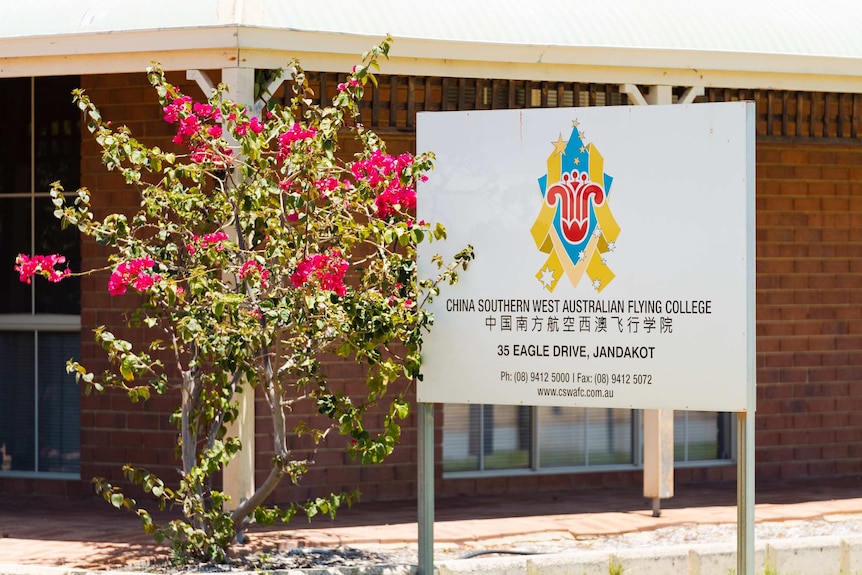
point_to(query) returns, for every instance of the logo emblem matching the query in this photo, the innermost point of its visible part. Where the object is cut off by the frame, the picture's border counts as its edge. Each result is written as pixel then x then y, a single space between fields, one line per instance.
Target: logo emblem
pixel 575 226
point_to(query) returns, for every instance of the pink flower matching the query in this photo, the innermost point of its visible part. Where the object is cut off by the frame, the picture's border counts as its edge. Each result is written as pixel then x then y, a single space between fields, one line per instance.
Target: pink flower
pixel 192 118
pixel 256 125
pixel 203 154
pixel 189 126
pixel 202 110
pixel 171 115
pixel 296 133
pixel 381 169
pixel 145 281
pixel 327 185
pixel 27 267
pixel 133 273
pixel 251 268
pixel 172 110
pixel 326 269
pixel 214 239
pixel 351 83
pixel 116 285
pixel 396 197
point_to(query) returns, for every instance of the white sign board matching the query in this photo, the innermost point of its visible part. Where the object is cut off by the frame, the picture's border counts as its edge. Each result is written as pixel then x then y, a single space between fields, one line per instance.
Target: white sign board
pixel 614 256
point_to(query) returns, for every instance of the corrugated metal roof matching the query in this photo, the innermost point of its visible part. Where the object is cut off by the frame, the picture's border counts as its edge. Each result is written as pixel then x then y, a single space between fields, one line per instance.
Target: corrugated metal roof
pixel 62 18
pixel 823 28
pixel 763 43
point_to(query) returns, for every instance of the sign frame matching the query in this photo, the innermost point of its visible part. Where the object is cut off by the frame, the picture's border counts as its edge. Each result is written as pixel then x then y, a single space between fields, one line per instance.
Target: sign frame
pixel 745 400
pixel 652 299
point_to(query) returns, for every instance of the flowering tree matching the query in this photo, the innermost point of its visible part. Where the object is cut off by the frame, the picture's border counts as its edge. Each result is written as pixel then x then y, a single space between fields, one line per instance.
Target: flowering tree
pixel 257 250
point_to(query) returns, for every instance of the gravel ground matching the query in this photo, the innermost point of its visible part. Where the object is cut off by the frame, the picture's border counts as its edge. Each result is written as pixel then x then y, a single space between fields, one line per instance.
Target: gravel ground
pixel 686 534
pixel 535 543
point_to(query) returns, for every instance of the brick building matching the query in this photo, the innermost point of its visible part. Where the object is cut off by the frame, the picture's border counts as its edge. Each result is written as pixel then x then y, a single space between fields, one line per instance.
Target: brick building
pixel 800 66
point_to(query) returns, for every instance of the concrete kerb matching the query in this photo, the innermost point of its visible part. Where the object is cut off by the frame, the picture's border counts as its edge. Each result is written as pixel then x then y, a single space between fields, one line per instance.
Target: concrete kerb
pixel 851 555
pixel 721 558
pixel 800 556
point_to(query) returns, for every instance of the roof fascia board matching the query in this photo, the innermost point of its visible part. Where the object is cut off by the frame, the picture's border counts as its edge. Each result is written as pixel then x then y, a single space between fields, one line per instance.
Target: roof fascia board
pixel 247 46
pixel 291 41
pixel 212 59
pixel 566 73
pixel 186 41
pixel 338 52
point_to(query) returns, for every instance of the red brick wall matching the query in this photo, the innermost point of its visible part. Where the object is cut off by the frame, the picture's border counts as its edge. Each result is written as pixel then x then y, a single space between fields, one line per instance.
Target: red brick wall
pixel 809 317
pixel 809 335
pixel 115 431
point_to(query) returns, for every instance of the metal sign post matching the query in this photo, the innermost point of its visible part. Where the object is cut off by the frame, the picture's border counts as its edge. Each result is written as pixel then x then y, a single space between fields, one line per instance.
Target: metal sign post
pixel 745 495
pixel 745 420
pixel 425 487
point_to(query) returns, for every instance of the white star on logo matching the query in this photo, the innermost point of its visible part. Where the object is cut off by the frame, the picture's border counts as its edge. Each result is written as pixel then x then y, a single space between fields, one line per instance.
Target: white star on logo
pixel 596 284
pixel 547 277
pixel 611 246
pixel 598 231
pixel 582 255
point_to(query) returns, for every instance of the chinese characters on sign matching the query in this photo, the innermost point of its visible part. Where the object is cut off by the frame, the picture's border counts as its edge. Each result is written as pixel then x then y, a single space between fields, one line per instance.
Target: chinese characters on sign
pixel 579 316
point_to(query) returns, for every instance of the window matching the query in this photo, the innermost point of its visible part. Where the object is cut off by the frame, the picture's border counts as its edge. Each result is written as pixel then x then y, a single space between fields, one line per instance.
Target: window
pixel 510 439
pixel 702 436
pixel 40 142
pixel 486 437
pixel 584 437
pixel 478 438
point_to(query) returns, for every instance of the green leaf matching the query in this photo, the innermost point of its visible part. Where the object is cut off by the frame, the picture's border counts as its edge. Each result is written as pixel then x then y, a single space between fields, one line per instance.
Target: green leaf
pixel 126 370
pixel 402 409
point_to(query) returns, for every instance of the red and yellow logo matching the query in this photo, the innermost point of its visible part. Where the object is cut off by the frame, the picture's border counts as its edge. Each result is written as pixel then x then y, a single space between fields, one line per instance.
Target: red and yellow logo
pixel 575 226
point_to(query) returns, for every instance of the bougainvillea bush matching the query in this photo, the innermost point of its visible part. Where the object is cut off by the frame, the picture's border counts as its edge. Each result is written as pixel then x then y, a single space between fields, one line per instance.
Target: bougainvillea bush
pixel 257 251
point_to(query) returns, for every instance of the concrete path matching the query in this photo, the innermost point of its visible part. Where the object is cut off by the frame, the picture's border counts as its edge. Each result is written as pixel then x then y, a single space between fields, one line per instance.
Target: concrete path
pixel 42 532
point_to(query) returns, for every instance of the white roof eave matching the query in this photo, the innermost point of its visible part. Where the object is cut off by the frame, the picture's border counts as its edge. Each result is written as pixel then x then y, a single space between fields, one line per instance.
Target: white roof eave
pixel 231 45
pixel 600 64
pixel 114 52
